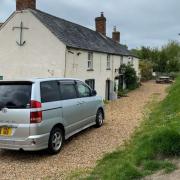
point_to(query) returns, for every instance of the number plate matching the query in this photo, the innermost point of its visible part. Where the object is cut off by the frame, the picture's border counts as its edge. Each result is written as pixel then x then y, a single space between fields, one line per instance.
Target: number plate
pixel 5 131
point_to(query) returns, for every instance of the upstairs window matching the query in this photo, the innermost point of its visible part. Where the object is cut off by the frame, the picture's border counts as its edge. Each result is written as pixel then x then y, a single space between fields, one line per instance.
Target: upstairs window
pixel 132 61
pixel 90 61
pixel 108 62
pixel 121 62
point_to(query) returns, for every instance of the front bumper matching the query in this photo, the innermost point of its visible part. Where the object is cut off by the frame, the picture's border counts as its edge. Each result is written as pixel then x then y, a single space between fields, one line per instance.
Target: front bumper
pixel 32 143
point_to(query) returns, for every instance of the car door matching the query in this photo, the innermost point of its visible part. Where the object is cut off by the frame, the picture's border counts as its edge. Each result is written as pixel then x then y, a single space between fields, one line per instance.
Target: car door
pixel 87 102
pixel 51 106
pixel 71 106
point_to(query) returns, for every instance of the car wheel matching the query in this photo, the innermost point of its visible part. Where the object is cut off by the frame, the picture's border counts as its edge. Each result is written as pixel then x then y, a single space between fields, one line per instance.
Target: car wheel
pixel 99 118
pixel 56 140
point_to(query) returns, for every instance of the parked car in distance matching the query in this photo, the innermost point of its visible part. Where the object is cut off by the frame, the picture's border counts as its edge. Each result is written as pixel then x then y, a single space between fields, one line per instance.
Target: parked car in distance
pixel 41 113
pixel 164 80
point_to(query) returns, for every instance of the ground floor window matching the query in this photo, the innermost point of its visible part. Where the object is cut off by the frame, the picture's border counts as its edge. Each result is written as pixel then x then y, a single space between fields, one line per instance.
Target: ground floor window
pixel 1 77
pixel 90 83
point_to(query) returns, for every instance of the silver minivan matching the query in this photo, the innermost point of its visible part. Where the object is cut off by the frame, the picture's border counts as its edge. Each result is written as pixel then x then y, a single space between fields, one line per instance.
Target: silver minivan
pixel 40 114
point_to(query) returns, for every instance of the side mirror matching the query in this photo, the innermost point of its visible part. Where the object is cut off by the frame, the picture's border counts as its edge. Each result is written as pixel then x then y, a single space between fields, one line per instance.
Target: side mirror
pixel 93 93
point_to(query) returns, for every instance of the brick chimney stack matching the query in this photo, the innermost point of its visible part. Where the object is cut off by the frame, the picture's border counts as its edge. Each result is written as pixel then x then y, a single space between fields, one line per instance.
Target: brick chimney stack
pixel 101 24
pixel 116 35
pixel 25 4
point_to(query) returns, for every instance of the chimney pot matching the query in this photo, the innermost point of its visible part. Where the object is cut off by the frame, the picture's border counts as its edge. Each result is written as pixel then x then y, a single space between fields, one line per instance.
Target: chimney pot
pixel 25 4
pixel 101 24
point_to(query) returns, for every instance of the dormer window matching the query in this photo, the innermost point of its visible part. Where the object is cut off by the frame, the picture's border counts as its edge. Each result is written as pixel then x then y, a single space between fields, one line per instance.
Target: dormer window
pixel 108 62
pixel 90 60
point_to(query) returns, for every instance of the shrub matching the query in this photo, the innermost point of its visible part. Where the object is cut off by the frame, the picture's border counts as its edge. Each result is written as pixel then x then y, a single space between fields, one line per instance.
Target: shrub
pixel 130 77
pixel 146 68
pixel 122 93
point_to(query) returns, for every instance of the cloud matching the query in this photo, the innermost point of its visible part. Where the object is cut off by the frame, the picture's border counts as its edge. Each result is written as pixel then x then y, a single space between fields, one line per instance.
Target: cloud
pixel 141 22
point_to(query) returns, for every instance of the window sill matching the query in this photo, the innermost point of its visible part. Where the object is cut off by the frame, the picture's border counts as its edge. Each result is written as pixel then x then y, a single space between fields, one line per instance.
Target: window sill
pixel 90 69
pixel 108 69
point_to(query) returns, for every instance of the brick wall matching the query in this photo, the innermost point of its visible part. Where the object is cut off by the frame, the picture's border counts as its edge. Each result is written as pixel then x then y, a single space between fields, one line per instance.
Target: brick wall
pixel 25 4
pixel 101 24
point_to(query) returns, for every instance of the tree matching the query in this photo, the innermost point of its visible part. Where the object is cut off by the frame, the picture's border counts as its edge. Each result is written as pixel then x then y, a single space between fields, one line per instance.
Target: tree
pixel 131 79
pixel 146 68
pixel 164 60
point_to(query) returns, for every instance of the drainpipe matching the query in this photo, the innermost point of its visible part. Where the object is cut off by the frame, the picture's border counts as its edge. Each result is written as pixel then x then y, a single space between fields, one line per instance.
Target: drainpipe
pixel 65 68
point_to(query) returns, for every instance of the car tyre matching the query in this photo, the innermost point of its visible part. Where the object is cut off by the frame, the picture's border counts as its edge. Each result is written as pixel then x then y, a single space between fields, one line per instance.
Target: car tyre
pixel 99 118
pixel 56 141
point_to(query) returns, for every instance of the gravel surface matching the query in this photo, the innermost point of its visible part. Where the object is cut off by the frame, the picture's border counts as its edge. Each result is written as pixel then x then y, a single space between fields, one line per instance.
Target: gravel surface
pixel 84 149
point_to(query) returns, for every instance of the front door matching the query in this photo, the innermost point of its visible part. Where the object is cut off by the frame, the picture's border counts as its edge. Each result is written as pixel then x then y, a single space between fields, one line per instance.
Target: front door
pixel 121 82
pixel 108 82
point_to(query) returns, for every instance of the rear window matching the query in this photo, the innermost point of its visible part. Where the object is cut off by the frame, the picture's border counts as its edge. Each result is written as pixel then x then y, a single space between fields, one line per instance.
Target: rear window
pixel 15 95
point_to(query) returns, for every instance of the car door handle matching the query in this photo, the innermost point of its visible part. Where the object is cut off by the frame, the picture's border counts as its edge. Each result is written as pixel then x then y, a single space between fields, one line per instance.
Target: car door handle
pixel 81 102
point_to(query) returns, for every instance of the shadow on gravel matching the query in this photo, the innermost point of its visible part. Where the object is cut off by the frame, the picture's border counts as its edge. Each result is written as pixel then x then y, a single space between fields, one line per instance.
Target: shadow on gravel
pixel 33 156
pixel 22 156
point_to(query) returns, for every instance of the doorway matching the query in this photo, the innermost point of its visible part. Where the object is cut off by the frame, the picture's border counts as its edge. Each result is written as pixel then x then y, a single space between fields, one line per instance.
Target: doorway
pixel 108 84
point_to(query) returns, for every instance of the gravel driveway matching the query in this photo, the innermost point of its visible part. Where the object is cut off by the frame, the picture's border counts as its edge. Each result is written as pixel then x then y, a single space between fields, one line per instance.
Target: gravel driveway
pixel 82 151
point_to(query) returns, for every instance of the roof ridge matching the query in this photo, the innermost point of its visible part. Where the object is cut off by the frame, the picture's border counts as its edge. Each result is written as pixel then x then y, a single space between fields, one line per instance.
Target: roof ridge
pixel 64 20
pixel 78 36
pixel 75 24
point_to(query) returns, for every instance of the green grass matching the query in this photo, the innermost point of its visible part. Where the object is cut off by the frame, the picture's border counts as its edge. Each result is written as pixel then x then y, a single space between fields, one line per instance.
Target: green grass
pixel 156 141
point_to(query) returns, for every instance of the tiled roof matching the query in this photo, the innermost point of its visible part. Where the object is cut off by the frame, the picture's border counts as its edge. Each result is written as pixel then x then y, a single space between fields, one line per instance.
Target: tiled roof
pixel 77 36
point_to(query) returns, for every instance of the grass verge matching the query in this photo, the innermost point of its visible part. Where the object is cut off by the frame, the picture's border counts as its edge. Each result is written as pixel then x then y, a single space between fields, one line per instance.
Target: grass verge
pixel 156 141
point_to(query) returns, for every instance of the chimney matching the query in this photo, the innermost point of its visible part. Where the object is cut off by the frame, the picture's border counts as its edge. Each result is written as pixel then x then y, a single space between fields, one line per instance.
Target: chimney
pixel 25 4
pixel 101 24
pixel 116 36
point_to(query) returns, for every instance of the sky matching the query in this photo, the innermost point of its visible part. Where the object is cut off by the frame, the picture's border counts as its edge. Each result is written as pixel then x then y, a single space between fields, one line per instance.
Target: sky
pixel 141 22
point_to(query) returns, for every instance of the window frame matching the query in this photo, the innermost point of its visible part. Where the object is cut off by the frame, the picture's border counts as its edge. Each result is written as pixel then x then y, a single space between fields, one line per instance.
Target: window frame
pixel 90 61
pixel 121 60
pixel 108 62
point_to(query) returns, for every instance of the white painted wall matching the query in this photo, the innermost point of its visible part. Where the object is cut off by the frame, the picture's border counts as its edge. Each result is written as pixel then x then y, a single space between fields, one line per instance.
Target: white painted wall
pixel 43 55
pixel 77 68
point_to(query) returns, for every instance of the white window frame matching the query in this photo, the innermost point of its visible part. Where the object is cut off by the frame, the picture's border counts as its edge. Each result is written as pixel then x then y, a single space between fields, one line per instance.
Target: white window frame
pixel 132 61
pixel 108 64
pixel 90 61
pixel 121 60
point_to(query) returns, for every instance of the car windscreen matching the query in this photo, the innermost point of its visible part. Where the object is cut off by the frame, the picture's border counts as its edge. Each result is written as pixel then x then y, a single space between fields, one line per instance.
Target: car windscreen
pixel 15 95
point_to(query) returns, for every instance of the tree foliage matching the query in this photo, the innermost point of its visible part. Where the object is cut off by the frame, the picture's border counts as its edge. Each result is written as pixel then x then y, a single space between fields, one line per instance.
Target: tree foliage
pixel 146 68
pixel 164 60
pixel 130 77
